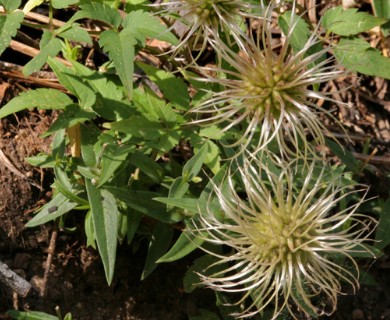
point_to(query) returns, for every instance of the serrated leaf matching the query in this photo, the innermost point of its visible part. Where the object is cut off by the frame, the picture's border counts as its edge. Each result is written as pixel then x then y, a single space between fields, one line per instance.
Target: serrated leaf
pixel 76 33
pixel 182 247
pixel 98 11
pixel 349 22
pixel 143 23
pixel 99 82
pixel 382 10
pixel 11 5
pixel 9 25
pixel 52 48
pixel 30 315
pixel 143 202
pixel 295 28
pixel 105 220
pixel 357 55
pixel 73 83
pixel 174 88
pixel 55 208
pixel 120 49
pixel 158 245
pixel 38 98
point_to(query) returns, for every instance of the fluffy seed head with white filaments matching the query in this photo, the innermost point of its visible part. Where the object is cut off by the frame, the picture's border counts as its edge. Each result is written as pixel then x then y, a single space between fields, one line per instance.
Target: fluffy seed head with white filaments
pixel 291 248
pixel 199 21
pixel 270 90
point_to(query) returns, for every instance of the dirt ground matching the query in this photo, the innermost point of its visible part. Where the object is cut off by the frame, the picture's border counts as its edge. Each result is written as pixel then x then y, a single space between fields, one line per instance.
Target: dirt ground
pixel 76 281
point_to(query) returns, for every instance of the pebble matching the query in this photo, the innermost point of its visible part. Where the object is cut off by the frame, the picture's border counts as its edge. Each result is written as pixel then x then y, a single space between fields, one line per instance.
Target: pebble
pixel 357 314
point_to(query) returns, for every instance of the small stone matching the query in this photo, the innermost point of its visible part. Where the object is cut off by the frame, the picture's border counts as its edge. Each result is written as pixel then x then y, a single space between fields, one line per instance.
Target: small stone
pixel 357 314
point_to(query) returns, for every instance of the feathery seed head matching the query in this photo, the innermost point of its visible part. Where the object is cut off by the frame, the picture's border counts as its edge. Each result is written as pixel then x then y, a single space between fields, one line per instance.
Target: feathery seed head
pixel 291 247
pixel 268 92
pixel 203 20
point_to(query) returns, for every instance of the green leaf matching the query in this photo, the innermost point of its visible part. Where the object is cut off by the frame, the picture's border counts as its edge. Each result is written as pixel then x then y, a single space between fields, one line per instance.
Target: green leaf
pixel 39 98
pixel 182 247
pixel 139 127
pixel 295 28
pixel 178 188
pixel 61 4
pixel 173 88
pixel 11 5
pixel 357 55
pixel 99 82
pixel 88 140
pixel 147 166
pixel 382 235
pixel 120 49
pixel 188 204
pixel 50 50
pixel 143 202
pixel 9 24
pixel 76 33
pixel 30 315
pixel 90 230
pixel 158 245
pixel 191 279
pixel 349 22
pixel 71 116
pixel 113 157
pixel 382 10
pixel 105 220
pixel 213 159
pixel 64 186
pixel 193 166
pixel 133 220
pixel 55 208
pixel 98 11
pixel 143 23
pixel 73 83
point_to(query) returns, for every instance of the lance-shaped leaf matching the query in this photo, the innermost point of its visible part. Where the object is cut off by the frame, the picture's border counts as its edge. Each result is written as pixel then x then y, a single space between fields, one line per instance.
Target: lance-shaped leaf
pixel 105 220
